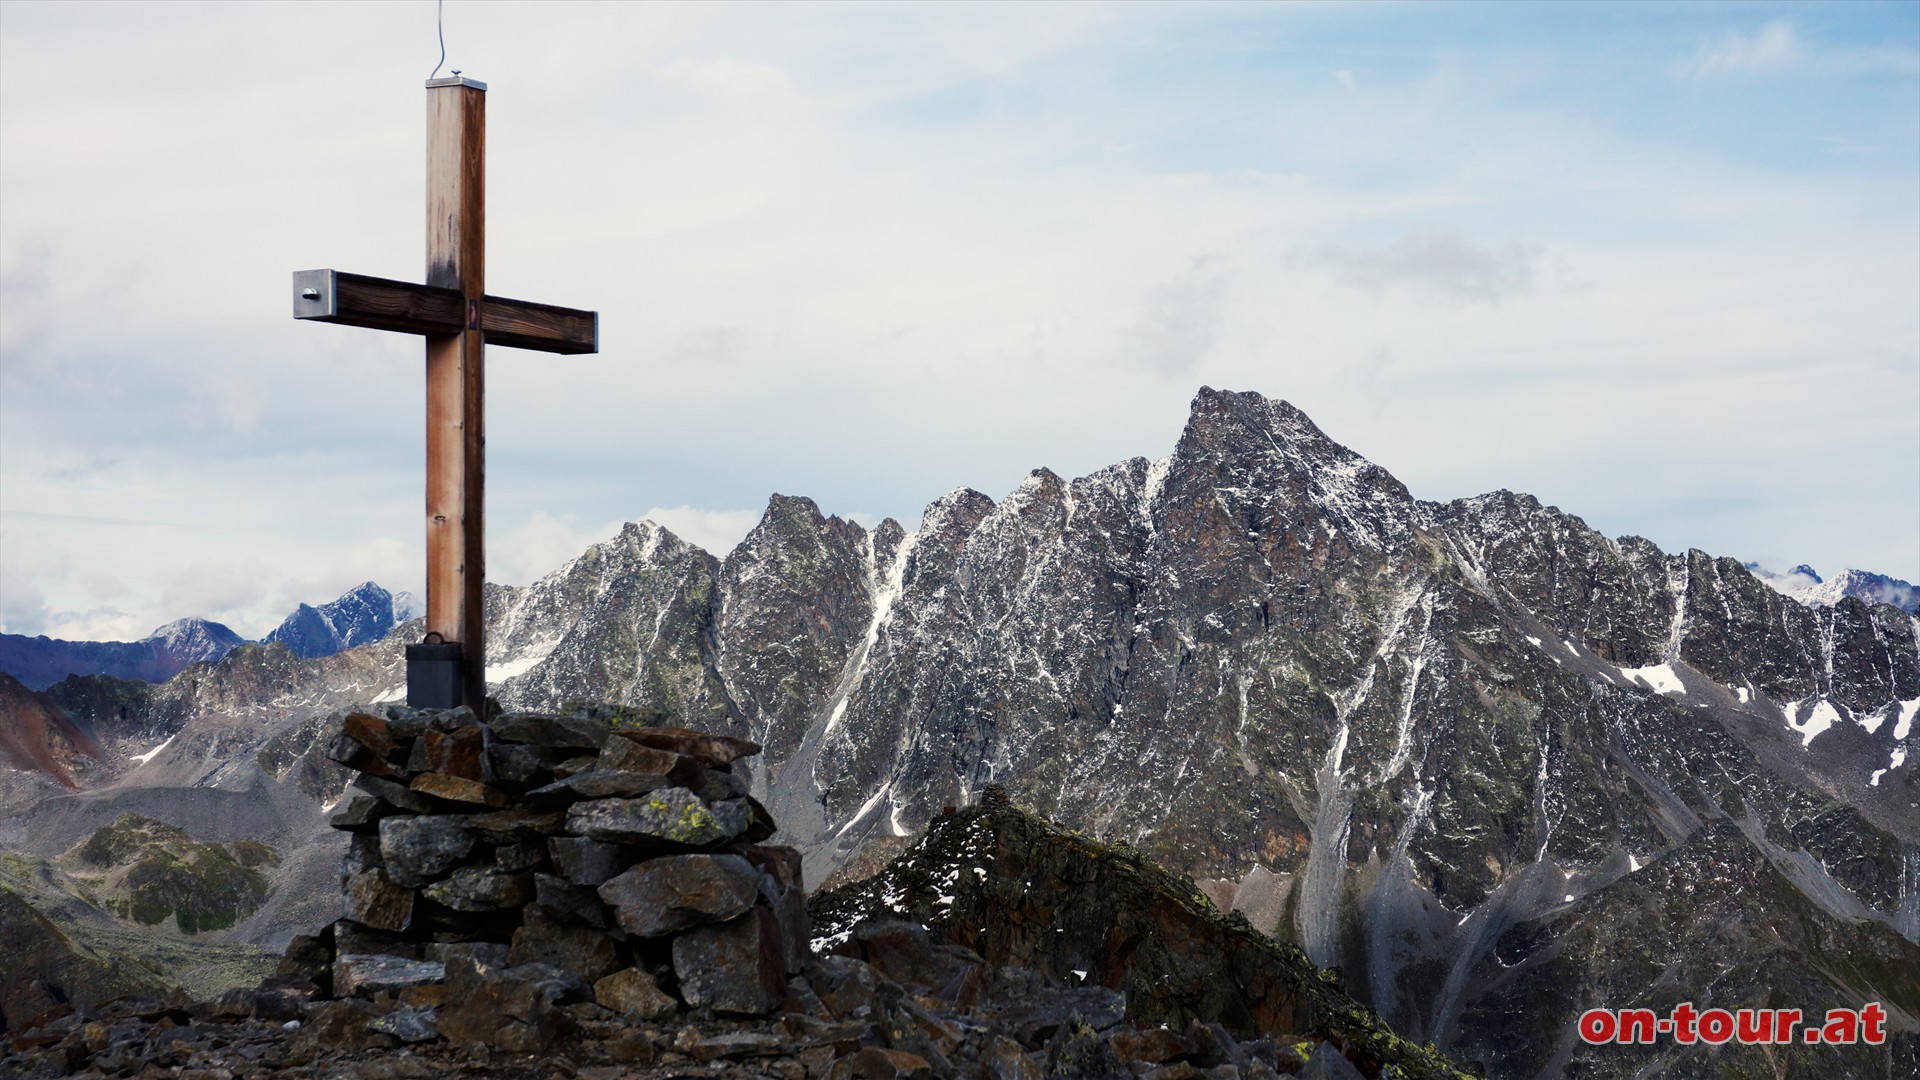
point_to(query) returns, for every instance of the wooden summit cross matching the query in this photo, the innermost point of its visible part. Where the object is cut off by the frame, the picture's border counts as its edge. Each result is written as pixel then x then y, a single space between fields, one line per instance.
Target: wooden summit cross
pixel 457 317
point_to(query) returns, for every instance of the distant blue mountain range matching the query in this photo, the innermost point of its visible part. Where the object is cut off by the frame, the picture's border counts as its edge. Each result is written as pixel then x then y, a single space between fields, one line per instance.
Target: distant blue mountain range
pixel 362 614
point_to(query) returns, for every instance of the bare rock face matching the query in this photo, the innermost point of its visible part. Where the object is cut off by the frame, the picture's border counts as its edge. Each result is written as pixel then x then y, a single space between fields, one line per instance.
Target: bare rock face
pixel 1402 732
pixel 376 900
pixel 662 896
pixel 481 888
pixel 583 950
pixel 634 992
pixel 587 862
pixel 419 849
pixel 736 967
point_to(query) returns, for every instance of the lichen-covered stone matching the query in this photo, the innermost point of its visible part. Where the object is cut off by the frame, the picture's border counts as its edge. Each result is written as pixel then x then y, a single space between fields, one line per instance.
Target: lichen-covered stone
pixel 540 729
pixel 663 895
pixel 361 814
pixel 417 850
pixel 635 993
pixel 667 816
pixel 626 755
pixel 589 862
pixel 457 789
pixel 480 888
pixel 585 952
pixel 366 974
pixel 732 967
pixel 709 748
pixel 598 784
pixel 373 899
pixel 518 823
pixel 394 793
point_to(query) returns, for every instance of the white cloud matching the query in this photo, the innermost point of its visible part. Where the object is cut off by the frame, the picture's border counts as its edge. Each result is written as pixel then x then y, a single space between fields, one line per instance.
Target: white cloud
pixel 226 591
pixel 1441 261
pixel 98 624
pixel 733 82
pixel 1178 319
pixel 1775 48
pixel 540 545
pixel 867 254
pixel 716 531
pixel 23 607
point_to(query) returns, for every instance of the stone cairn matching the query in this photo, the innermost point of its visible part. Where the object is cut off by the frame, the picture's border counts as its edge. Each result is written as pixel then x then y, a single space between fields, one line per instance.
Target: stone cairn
pixel 498 874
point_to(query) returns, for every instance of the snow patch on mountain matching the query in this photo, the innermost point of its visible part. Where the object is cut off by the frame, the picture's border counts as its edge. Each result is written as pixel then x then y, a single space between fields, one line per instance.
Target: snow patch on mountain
pixel 142 759
pixel 1659 678
pixel 1819 715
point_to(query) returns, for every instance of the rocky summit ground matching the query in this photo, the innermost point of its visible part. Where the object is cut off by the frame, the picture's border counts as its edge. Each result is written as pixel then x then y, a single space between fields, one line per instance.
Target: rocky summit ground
pixel 1188 992
pixel 910 1008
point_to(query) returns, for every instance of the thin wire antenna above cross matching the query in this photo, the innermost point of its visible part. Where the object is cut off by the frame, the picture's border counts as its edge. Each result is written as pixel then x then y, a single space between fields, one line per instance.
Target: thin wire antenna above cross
pixel 458 319
pixel 440 31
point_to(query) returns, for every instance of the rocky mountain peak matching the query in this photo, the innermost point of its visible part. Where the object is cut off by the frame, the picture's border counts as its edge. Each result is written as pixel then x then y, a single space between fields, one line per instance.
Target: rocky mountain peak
pixel 196 639
pixel 362 614
pixel 949 520
pixel 1273 470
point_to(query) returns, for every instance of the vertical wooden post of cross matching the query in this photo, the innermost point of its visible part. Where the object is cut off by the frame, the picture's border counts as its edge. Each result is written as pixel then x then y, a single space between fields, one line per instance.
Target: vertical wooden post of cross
pixel 457 317
pixel 456 376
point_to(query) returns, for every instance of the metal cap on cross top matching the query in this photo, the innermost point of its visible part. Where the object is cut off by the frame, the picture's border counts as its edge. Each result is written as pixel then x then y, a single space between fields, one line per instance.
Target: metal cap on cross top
pixel 458 319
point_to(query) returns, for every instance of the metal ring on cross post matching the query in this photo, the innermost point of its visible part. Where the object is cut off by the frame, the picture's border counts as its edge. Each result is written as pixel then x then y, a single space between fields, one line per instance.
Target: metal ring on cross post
pixel 433 673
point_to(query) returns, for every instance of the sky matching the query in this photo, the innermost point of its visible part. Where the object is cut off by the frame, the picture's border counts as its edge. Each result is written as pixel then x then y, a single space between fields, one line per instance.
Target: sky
pixel 1657 265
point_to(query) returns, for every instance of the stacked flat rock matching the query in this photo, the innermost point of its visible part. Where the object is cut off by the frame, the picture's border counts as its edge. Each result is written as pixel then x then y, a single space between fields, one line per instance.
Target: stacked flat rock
pixel 496 874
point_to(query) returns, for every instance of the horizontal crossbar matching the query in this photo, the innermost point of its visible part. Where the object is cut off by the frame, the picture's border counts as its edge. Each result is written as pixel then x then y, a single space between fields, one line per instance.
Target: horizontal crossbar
pixel 378 303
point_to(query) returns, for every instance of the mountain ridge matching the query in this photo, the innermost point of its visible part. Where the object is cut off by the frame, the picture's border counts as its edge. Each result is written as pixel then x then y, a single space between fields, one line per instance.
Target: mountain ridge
pixel 1413 737
pixel 363 614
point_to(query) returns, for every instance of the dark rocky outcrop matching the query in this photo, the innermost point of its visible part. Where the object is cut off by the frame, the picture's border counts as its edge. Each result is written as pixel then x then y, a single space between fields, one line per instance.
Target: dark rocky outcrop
pixel 1021 892
pixel 44 969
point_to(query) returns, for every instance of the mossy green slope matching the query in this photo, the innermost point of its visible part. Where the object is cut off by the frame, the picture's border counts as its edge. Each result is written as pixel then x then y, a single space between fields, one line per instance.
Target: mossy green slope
pixel 148 871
